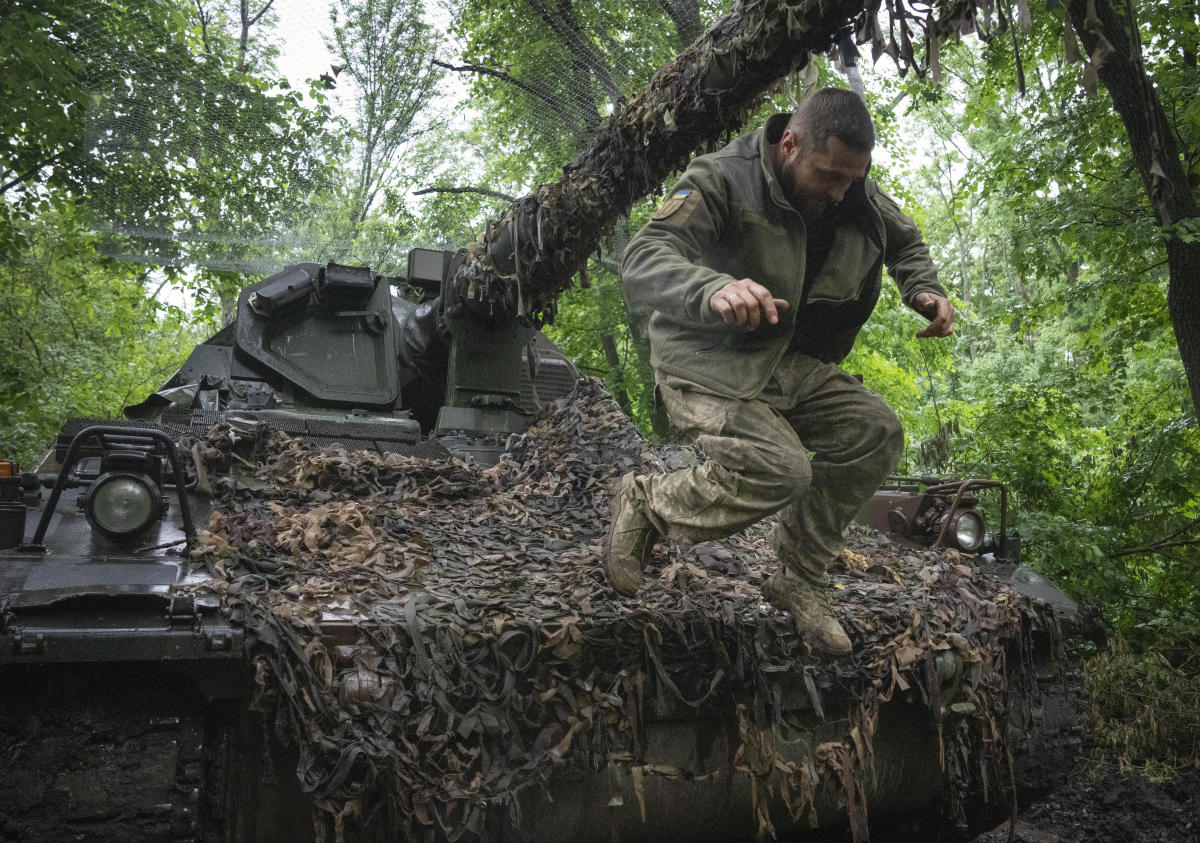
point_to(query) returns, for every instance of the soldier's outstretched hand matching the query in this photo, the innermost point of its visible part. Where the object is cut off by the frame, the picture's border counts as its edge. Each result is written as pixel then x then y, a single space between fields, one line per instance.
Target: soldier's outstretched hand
pixel 938 310
pixel 746 303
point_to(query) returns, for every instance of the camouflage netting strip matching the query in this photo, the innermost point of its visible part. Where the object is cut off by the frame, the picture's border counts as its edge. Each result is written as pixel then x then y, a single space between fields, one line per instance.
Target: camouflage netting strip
pixel 490 650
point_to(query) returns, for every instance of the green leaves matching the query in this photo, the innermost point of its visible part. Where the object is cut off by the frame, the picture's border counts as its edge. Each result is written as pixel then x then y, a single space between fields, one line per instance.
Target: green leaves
pixel 84 335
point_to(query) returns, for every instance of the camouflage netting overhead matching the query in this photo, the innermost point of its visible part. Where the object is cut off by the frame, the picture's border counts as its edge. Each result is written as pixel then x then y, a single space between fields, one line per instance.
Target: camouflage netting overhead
pixel 242 137
pixel 437 638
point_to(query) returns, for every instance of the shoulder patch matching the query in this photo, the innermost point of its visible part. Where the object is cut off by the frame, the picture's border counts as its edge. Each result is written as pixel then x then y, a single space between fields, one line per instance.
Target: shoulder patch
pixel 684 200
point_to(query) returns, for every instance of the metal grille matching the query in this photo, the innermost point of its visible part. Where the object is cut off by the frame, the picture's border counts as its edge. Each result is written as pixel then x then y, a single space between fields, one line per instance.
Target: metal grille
pixel 354 435
pixel 73 427
pixel 556 375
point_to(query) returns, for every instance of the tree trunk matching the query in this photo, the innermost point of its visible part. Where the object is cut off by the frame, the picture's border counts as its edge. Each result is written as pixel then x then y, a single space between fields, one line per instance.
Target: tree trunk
pixel 1105 33
pixel 616 371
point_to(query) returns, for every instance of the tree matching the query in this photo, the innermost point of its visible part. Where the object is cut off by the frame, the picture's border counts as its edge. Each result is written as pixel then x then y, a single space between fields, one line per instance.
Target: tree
pixel 1063 382
pixel 1114 43
pixel 117 157
pixel 84 334
pixel 386 50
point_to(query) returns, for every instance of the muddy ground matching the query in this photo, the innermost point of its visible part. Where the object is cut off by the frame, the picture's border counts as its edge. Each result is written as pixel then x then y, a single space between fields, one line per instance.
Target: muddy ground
pixel 1109 806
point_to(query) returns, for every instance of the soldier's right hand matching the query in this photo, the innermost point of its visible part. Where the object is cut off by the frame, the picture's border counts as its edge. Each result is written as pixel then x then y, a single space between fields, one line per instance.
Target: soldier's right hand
pixel 746 304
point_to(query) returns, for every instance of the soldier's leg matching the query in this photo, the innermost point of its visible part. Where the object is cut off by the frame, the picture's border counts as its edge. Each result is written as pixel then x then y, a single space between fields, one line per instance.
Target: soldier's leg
pixel 856 439
pixel 755 466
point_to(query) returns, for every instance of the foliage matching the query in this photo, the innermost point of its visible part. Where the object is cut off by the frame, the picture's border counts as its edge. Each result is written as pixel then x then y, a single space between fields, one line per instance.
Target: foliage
pixel 117 145
pixel 85 334
pixel 550 72
pixel 593 329
pixel 386 49
pixel 1063 380
pixel 1144 706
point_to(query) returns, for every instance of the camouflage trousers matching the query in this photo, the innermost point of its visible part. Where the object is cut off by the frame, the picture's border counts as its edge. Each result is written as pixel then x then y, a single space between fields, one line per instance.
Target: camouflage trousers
pixel 759 464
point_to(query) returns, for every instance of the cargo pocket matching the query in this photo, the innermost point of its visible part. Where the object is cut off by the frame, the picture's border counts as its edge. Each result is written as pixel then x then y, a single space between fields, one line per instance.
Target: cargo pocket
pixel 694 413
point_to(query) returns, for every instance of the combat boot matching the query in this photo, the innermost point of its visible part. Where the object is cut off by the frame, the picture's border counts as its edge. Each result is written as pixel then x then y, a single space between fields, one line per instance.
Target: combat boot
pixel 810 608
pixel 630 538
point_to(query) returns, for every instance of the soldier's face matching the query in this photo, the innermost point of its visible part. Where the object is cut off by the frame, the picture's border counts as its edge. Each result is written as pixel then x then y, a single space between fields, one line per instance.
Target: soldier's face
pixel 816 179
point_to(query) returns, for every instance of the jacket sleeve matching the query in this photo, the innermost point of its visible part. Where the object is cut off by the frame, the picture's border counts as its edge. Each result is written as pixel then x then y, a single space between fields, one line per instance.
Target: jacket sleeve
pixel 663 264
pixel 906 255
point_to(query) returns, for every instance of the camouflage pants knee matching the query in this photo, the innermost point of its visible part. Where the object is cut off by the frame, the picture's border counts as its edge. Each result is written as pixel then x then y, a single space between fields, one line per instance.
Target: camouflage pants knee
pixel 759 464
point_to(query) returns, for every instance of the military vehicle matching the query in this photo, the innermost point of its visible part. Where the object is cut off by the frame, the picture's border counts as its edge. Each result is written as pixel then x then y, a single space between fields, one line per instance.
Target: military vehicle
pixel 338 580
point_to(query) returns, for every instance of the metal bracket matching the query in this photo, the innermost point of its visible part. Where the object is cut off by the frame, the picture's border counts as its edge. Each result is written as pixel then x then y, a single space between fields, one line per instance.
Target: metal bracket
pixel 72 457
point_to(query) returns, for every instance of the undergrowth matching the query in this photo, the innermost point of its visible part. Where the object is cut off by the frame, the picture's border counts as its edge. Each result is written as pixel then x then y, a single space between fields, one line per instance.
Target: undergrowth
pixel 1144 707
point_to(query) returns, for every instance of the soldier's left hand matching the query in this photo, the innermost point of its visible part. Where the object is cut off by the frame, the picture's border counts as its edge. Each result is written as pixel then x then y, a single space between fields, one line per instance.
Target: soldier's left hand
pixel 939 311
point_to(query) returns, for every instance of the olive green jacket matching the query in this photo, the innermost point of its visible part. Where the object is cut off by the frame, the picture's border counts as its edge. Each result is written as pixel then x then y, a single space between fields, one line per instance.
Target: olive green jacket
pixel 727 219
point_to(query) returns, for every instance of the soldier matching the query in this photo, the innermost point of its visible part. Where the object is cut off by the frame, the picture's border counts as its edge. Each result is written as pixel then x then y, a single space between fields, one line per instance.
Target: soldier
pixel 759 269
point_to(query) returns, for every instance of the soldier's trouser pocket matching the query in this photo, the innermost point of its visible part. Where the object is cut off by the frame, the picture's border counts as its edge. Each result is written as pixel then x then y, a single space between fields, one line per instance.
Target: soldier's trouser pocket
pixel 755 466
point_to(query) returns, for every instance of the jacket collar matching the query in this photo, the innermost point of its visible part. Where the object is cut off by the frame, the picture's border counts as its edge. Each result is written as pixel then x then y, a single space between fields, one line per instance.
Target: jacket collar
pixel 768 136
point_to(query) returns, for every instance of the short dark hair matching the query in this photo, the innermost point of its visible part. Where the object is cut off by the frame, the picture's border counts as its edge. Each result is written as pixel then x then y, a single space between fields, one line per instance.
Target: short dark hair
pixel 833 112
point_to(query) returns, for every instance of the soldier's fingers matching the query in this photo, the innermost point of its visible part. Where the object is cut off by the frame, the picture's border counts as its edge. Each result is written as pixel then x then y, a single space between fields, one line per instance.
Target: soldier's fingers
pixel 764 302
pixel 721 306
pixel 933 329
pixel 941 324
pixel 724 304
pixel 937 328
pixel 753 314
pixel 739 308
pixel 950 315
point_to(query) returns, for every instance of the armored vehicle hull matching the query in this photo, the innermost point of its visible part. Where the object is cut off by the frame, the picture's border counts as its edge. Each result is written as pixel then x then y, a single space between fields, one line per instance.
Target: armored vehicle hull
pixel 311 591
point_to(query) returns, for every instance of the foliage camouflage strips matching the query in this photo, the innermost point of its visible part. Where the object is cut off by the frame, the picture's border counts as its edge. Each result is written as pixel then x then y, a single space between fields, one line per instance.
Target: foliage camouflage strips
pixel 488 650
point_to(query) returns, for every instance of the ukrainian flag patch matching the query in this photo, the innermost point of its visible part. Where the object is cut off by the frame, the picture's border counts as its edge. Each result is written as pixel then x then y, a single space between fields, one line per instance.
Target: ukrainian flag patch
pixel 677 200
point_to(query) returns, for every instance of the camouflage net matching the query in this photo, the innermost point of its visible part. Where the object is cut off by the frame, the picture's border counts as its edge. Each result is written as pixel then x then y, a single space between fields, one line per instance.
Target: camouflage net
pixel 437 638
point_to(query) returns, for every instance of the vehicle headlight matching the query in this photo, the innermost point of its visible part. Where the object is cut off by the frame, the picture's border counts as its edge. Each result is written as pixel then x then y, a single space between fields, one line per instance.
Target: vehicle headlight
pixel 122 505
pixel 968 530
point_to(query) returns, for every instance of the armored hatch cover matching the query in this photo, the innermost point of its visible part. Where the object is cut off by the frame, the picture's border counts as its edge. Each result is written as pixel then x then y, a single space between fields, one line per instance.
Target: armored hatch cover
pixel 442 648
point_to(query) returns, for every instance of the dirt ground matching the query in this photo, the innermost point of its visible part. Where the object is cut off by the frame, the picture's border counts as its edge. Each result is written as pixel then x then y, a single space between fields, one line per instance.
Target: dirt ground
pixel 1113 806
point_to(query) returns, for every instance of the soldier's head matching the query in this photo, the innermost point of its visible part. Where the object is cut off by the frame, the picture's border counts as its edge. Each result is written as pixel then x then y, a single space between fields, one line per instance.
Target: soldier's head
pixel 825 148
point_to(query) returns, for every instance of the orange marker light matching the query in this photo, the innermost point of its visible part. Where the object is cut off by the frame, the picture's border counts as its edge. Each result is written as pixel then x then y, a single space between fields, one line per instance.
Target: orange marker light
pixel 8 468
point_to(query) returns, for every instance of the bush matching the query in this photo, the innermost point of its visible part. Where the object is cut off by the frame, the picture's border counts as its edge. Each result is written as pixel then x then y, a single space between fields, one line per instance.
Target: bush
pixel 1144 708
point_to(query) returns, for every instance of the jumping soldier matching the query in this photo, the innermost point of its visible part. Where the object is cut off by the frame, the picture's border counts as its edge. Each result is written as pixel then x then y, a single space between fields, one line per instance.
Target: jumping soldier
pixel 760 268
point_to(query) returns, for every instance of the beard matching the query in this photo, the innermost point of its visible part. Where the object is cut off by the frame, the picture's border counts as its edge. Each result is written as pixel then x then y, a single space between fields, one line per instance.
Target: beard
pixel 810 206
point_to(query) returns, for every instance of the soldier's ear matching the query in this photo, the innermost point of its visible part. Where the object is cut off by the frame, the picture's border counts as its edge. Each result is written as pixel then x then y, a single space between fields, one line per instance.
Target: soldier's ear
pixel 787 143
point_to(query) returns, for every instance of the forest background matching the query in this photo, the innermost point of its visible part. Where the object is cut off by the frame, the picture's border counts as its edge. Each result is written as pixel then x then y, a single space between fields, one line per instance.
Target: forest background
pixel 157 156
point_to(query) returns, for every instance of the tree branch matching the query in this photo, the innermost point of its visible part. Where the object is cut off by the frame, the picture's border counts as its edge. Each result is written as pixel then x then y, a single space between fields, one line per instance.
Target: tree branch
pixel 1170 540
pixel 261 12
pixel 204 18
pixel 480 190
pixel 535 89
pixel 30 173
